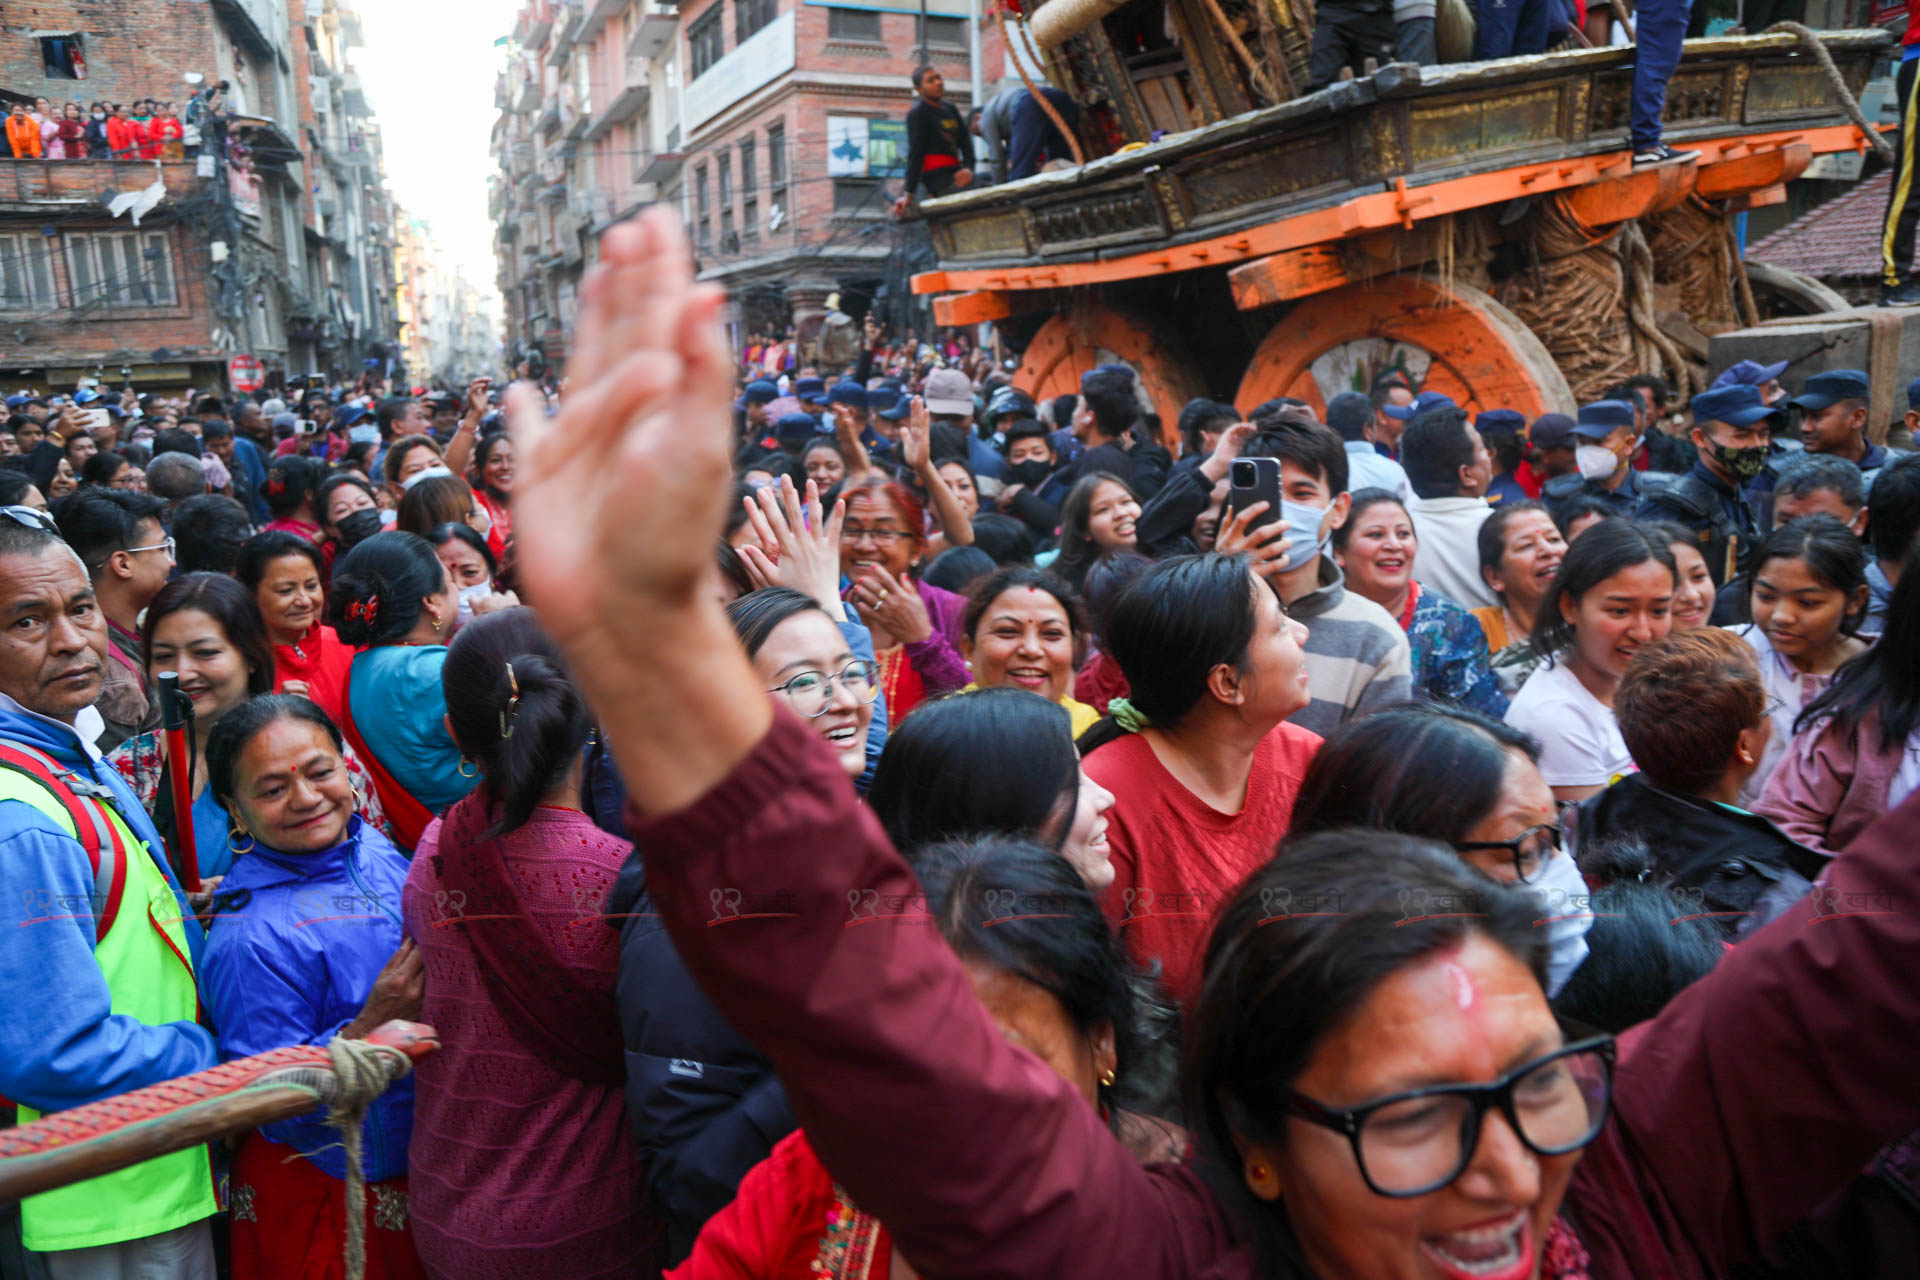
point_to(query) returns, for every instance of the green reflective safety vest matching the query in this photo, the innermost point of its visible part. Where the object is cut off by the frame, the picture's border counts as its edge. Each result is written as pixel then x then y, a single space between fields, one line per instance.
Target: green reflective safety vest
pixel 145 960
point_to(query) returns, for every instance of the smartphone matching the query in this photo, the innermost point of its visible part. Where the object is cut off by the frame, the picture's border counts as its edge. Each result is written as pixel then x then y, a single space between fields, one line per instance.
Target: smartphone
pixel 97 419
pixel 1252 480
pixel 308 427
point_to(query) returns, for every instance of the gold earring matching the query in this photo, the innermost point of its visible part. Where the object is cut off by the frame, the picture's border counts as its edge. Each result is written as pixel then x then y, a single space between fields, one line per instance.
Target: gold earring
pixel 1108 1078
pixel 467 768
pixel 233 845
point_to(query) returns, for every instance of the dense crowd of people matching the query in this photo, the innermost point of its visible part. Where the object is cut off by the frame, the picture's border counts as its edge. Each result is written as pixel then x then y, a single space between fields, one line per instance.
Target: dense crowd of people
pixel 144 129
pixel 919 830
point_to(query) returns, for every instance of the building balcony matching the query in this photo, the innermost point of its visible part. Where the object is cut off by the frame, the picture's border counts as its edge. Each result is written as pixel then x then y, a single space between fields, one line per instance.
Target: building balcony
pixel 353 95
pixel 527 96
pixel 521 154
pixel 40 185
pixel 626 103
pixel 535 24
pixel 566 31
pixel 599 13
pixel 660 167
pixel 550 118
pixel 653 34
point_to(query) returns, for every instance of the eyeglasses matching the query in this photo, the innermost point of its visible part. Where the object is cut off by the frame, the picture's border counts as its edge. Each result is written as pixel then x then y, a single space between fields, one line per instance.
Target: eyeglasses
pixel 166 544
pixel 810 693
pixel 882 537
pixel 32 517
pixel 1530 849
pixel 1413 1143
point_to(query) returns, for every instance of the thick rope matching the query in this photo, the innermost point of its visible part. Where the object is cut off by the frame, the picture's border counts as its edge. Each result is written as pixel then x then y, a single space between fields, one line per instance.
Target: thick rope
pixel 1836 82
pixel 363 1072
pixel 1637 264
pixel 1255 71
pixel 1073 143
pixel 1574 300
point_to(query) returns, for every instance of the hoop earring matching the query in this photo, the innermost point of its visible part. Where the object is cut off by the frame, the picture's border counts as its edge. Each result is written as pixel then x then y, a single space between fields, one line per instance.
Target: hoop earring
pixel 359 800
pixel 468 769
pixel 232 843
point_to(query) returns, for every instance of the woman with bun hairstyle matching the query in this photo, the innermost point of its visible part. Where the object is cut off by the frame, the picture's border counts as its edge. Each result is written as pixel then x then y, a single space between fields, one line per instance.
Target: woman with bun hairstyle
pixel 291 489
pixel 522 991
pixel 393 599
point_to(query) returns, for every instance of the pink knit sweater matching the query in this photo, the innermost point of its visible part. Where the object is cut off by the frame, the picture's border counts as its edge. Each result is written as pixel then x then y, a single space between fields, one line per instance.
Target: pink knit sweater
pixel 517 1172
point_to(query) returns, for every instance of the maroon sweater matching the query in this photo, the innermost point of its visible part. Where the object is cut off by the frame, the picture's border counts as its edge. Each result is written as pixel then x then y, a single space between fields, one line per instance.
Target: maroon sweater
pixel 1761 1089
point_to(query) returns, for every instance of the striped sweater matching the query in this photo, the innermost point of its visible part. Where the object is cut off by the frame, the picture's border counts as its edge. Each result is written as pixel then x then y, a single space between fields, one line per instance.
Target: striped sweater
pixel 1358 660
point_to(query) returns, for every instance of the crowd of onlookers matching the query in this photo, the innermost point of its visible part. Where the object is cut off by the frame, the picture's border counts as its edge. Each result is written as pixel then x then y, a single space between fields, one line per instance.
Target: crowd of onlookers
pixel 143 129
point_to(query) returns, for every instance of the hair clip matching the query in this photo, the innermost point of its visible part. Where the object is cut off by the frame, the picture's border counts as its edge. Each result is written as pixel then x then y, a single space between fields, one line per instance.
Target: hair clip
pixel 366 610
pixel 512 712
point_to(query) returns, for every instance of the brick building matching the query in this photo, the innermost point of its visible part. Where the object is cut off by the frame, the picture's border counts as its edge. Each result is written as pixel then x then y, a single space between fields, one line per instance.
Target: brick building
pixel 794 116
pixel 279 247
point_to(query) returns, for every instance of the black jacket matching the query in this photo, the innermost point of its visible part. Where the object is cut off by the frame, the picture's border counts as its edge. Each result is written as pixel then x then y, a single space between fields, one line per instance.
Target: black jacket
pixel 935 129
pixel 704 1104
pixel 1742 868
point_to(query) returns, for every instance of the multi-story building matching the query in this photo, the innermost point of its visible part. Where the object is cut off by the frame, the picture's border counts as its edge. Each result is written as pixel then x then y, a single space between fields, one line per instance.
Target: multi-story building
pixel 224 252
pixel 447 329
pixel 794 114
pixel 587 134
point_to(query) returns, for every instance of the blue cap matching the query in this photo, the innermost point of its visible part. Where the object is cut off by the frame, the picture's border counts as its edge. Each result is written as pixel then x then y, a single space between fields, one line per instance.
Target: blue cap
pixel 851 394
pixel 1502 421
pixel 890 404
pixel 85 395
pixel 1738 405
pixel 1425 402
pixel 1913 394
pixel 795 426
pixel 1749 373
pixel 1601 418
pixel 1551 431
pixel 759 391
pixel 18 401
pixel 1825 389
pixel 1009 400
pixel 810 390
pixel 347 415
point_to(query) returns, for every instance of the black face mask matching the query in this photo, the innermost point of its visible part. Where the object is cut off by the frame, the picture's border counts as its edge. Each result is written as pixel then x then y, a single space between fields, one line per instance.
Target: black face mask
pixel 1031 473
pixel 359 526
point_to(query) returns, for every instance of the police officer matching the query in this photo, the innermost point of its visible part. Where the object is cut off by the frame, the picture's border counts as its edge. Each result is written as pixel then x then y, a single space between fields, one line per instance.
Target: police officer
pixel 1605 437
pixel 1834 407
pixel 1718 499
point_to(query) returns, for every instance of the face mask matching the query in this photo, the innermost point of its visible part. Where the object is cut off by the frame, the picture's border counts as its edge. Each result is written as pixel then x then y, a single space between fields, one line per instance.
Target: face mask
pixel 368 434
pixel 1032 473
pixel 467 596
pixel 1596 461
pixel 359 526
pixel 1743 464
pixel 1567 907
pixel 99 115
pixel 1303 544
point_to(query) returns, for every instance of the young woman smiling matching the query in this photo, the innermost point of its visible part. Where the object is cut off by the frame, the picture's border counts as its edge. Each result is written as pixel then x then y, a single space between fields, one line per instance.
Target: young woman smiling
pixel 206 628
pixel 1021 629
pixel 1375 548
pixel 1097 518
pixel 1520 551
pixel 285 573
pixel 1612 595
pixel 1693 596
pixel 1807 596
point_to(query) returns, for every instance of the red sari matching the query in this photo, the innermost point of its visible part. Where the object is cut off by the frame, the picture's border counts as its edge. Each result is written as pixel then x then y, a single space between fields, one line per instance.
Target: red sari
pixel 789 1222
pixel 321 661
pixel 276 1197
pixel 501 530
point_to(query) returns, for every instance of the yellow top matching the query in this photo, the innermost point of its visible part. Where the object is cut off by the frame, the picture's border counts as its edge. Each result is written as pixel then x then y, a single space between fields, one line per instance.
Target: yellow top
pixel 1081 716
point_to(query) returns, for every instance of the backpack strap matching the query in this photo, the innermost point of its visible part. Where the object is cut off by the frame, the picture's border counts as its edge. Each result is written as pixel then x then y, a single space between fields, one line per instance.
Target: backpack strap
pixel 106 853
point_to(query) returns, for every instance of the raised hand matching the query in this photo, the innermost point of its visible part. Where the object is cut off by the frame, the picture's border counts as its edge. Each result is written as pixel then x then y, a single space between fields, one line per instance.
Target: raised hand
pixel 1226 449
pixel 891 604
pixel 807 547
pixel 1266 545
pixel 916 436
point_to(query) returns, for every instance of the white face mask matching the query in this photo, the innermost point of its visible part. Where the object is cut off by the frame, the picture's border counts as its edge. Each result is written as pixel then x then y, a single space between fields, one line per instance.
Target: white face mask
pixel 468 595
pixel 1596 461
pixel 1567 908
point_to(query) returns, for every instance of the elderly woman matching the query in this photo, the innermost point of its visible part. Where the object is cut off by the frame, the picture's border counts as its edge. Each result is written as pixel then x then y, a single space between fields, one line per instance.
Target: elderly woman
pixel 287 578
pixel 504 898
pixel 308 947
pixel 1021 629
pixel 1375 1094
pixel 915 627
pixel 204 628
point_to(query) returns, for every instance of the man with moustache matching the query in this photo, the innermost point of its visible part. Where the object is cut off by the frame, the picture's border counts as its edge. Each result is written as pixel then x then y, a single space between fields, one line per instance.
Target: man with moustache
pixel 96 940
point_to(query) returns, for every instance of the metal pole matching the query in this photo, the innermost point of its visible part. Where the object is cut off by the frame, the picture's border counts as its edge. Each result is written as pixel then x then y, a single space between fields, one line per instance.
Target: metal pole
pixel 923 33
pixel 973 52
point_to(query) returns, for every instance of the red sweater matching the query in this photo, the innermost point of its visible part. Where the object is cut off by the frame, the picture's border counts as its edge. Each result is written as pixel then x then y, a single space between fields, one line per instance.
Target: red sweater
pixel 1759 1090
pixel 1177 859
pixel 321 662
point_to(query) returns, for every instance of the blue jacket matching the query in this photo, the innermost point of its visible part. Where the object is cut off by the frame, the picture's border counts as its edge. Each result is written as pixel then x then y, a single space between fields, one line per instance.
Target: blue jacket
pixel 61 1045
pixel 292 961
pixel 253 474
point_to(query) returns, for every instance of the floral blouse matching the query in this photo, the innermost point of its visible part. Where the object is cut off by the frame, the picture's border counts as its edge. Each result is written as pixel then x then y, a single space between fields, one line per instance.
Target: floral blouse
pixel 1450 660
pixel 141 762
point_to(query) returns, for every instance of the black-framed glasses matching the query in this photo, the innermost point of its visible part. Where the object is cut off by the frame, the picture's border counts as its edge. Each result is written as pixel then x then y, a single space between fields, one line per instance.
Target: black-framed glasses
pixel 1410 1144
pixel 880 537
pixel 1530 850
pixel 810 693
pixel 32 517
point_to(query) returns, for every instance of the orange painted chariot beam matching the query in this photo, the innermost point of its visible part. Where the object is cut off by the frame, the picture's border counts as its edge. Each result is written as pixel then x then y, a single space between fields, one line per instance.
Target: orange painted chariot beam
pixel 1402 206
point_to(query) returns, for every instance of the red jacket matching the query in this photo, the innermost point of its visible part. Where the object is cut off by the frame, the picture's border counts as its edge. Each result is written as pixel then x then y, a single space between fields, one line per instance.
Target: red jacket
pixel 1757 1092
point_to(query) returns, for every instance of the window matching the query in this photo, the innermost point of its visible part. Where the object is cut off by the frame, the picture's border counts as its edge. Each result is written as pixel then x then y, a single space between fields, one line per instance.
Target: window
pixel 63 57
pixel 122 269
pixel 945 33
pixel 777 158
pixel 749 16
pixel 705 41
pixel 858 198
pixel 729 240
pixel 726 182
pixel 749 180
pixel 700 206
pixel 853 24
pixel 750 218
pixel 26 272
